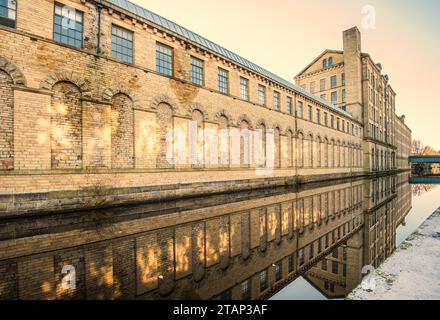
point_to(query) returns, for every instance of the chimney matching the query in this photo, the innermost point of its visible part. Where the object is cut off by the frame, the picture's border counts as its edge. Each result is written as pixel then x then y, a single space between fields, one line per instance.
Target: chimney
pixel 353 72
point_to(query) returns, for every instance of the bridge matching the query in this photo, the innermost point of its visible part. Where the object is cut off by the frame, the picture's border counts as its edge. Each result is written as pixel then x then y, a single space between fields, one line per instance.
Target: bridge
pixel 424 159
pixel 425 180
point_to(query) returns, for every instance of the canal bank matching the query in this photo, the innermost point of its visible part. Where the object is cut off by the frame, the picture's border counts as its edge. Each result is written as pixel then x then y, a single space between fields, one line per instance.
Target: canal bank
pixel 411 273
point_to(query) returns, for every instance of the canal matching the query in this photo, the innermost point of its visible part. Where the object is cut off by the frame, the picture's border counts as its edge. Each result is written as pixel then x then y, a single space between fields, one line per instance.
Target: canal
pixel 307 242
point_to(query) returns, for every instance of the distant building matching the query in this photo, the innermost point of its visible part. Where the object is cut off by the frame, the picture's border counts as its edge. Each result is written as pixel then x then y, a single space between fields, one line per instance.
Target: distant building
pixel 351 80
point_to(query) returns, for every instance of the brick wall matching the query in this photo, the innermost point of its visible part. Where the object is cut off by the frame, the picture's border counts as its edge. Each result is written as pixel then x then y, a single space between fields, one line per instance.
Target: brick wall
pixel 79 116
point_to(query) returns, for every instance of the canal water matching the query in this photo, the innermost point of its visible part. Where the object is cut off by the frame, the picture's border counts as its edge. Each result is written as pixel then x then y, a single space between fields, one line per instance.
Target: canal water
pixel 307 242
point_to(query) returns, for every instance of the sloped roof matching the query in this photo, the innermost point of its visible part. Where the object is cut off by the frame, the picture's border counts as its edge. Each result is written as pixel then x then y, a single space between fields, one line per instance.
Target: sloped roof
pixel 203 42
pixel 318 58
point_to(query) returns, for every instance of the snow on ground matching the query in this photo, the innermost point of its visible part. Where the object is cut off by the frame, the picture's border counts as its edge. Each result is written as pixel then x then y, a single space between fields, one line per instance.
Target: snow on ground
pixel 413 271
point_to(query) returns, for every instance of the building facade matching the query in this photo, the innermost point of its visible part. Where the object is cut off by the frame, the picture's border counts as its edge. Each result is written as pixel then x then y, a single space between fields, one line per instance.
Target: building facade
pixel 351 80
pixel 106 100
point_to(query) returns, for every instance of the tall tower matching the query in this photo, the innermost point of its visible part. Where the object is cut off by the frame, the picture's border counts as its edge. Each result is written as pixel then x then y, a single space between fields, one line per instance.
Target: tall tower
pixel 353 72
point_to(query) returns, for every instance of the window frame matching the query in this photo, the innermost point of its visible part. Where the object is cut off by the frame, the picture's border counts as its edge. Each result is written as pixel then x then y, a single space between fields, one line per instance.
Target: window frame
pixel 193 73
pixel 243 81
pixel 261 94
pixel 6 21
pixel 334 95
pixel 322 85
pixel 226 72
pixel 277 101
pixel 115 26
pixel 299 109
pixel 264 280
pixel 54 33
pixel 289 105
pixel 159 44
pixel 333 82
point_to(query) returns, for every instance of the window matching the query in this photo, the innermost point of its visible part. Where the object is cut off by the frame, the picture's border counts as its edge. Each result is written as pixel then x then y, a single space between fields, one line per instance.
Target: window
pixel 333 82
pixel 289 105
pixel 301 257
pixel 325 119
pixel 244 89
pixel 343 79
pixel 290 263
pixel 330 61
pixel 263 280
pixel 246 290
pixel 261 95
pixel 122 44
pixel 335 267
pixel 277 101
pixel 8 12
pixel 197 71
pixel 332 121
pixel 310 113
pixel 68 25
pixel 343 95
pixel 164 59
pixel 319 245
pixel 311 250
pixel 343 125
pixel 324 63
pixel 334 97
pixel 313 87
pixel 322 85
pixel 318 116
pixel 338 124
pixel 299 109
pixel 324 264
pixel 278 271
pixel 223 81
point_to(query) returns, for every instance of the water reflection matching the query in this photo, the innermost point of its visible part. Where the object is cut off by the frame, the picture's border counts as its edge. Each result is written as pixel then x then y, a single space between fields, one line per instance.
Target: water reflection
pixel 249 245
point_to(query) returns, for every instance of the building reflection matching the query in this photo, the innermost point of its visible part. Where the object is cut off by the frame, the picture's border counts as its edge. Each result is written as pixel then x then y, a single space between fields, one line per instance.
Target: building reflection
pixel 242 246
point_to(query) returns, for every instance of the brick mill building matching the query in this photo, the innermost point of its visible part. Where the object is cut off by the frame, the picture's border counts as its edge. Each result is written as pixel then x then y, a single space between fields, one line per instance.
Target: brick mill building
pixel 351 80
pixel 106 102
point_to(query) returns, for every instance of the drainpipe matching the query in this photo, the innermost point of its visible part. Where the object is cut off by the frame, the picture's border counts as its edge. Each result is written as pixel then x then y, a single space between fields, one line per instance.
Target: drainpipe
pixel 99 7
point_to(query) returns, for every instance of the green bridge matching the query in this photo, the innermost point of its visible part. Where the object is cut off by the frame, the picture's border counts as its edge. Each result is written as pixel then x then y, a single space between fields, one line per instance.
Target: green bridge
pixel 424 159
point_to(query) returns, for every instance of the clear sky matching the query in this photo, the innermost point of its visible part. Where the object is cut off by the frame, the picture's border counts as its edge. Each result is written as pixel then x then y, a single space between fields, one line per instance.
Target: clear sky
pixel 285 35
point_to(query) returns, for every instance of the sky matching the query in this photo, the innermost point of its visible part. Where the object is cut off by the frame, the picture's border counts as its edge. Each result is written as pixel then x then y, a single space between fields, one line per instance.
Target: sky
pixel 284 36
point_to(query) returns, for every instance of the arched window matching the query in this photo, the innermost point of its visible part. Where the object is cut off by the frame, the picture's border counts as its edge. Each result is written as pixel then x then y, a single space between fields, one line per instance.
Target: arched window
pixel 261 133
pixel 245 146
pixel 66 126
pixel 318 152
pixel 122 132
pixel 289 142
pixel 331 152
pixel 337 155
pixel 300 151
pixel 308 146
pixel 326 148
pixel 324 63
pixel 224 154
pixel 330 61
pixel 165 155
pixel 277 146
pixel 197 139
pixel 6 122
